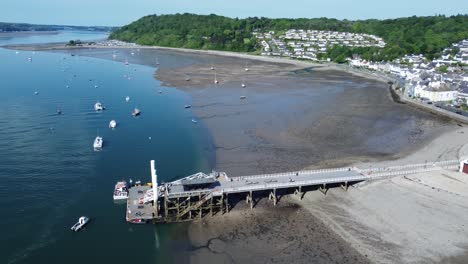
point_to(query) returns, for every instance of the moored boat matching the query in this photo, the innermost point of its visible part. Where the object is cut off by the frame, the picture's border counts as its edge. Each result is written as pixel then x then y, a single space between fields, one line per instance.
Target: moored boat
pixel 127 98
pixel 82 221
pixel 136 112
pixel 120 191
pixel 98 106
pixel 112 124
pixel 97 145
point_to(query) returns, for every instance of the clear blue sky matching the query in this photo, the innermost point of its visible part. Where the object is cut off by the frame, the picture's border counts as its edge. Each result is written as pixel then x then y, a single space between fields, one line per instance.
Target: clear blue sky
pixel 120 12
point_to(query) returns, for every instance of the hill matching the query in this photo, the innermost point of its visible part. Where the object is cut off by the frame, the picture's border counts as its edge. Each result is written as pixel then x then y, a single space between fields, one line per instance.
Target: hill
pixel 16 27
pixel 411 35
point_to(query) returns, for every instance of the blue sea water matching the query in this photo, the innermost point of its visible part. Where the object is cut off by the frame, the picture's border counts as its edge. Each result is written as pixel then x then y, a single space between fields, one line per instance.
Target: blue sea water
pixel 54 37
pixel 50 175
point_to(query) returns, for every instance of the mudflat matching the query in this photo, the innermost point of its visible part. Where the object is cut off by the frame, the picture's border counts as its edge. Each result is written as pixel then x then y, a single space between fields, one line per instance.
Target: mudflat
pixel 291 117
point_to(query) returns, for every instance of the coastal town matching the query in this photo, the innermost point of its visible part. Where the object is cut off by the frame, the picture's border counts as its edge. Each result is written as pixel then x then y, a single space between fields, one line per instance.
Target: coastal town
pixel 310 44
pixel 441 82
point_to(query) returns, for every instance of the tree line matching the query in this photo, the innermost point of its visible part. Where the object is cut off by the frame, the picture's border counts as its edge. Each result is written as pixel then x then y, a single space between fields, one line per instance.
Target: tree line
pixel 410 35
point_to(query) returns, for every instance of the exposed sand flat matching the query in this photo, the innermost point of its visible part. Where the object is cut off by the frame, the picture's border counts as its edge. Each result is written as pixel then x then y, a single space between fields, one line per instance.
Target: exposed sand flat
pixel 267 234
pixel 294 118
pixel 412 219
pixel 415 219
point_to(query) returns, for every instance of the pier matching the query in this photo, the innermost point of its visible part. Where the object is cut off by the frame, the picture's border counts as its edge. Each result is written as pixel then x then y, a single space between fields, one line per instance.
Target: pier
pixel 200 194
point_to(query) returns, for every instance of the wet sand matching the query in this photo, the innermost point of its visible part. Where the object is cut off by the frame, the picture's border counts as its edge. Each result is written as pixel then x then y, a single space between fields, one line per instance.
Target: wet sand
pixel 264 235
pixel 293 117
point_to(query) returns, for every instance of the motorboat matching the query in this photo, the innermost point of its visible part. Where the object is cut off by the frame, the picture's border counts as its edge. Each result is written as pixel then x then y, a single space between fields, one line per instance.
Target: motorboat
pixel 243 85
pixel 112 124
pixel 194 121
pixel 136 112
pixel 243 97
pixel 97 145
pixel 36 92
pixel 120 191
pixel 127 98
pixel 82 221
pixel 188 106
pixel 98 106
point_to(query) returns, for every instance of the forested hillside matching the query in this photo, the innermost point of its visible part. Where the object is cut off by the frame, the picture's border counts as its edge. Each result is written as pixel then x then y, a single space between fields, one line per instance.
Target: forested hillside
pixel 425 35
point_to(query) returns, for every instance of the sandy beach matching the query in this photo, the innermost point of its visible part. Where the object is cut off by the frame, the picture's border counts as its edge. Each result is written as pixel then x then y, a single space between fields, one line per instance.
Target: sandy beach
pixel 297 116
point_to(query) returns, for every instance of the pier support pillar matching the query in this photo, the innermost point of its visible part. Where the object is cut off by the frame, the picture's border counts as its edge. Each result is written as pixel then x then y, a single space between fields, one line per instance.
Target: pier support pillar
pixel 211 206
pixel 272 197
pixel 299 192
pixel 344 186
pixel 249 199
pixel 190 211
pixel 227 203
pixel 323 189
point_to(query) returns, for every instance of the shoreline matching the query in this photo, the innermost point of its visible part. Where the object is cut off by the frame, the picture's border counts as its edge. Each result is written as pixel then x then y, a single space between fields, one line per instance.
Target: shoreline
pixel 280 63
pixel 297 131
pixel 230 54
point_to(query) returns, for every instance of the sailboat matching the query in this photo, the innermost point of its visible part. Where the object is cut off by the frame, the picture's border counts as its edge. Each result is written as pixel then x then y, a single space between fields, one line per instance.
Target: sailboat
pixel 215 79
pixel 157 61
pixel 243 84
pixel 212 67
pixel 246 67
pixel 126 62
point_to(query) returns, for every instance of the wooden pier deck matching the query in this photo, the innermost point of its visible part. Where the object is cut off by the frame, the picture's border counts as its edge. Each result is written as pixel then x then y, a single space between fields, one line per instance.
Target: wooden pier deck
pixel 200 194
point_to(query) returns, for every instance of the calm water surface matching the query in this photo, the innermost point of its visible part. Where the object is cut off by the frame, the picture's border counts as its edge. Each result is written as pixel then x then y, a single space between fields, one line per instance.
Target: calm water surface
pixel 55 37
pixel 50 174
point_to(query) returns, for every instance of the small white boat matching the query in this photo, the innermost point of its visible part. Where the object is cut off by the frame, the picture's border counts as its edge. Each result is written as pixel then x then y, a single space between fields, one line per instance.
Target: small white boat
pixel 194 121
pixel 187 106
pixel 29 59
pixel 120 191
pixel 126 62
pixel 157 61
pixel 215 79
pixel 97 145
pixel 82 221
pixel 136 112
pixel 212 68
pixel 112 124
pixel 243 85
pixel 127 98
pixel 95 86
pixel 36 92
pixel 98 106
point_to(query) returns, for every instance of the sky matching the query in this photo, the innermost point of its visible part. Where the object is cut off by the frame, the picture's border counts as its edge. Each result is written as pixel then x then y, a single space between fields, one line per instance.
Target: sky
pixel 121 12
